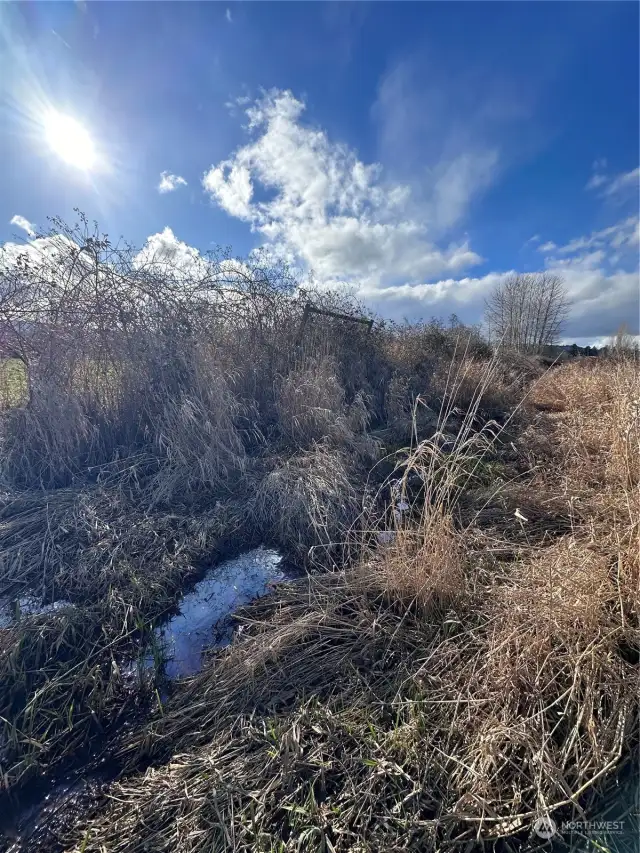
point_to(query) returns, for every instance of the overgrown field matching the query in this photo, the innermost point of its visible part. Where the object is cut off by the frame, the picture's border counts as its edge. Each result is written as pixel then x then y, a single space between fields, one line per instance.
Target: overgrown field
pixel 461 656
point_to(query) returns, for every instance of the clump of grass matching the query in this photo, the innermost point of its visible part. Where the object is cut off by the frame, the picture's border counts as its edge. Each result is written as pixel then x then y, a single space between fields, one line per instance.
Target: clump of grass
pixel 307 504
pixel 61 688
pixel 310 403
pixel 40 441
pixel 200 448
pixel 424 569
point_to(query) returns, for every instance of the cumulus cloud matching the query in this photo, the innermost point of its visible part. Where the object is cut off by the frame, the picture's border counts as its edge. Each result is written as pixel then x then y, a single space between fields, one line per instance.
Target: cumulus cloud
pixel 230 184
pixel 316 204
pixel 164 252
pixel 169 183
pixel 22 222
pixel 600 299
pixel 600 271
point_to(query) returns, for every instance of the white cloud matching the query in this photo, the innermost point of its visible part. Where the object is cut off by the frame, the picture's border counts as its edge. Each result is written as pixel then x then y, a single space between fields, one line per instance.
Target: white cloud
pixel 228 16
pixel 323 209
pixel 169 182
pixel 320 208
pixel 600 271
pixel 596 180
pixel 624 182
pixel 622 234
pixel 164 252
pixel 601 274
pixel 44 252
pixel 613 187
pixel 22 222
pixel 600 300
pixel 230 184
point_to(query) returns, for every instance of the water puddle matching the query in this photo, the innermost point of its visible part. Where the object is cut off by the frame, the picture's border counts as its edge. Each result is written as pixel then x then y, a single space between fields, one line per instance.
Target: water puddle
pixel 11 611
pixel 41 821
pixel 204 620
pixel 205 616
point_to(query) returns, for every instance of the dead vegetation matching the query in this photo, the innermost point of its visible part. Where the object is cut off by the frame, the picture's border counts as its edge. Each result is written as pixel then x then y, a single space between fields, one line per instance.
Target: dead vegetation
pixel 430 697
pixel 466 660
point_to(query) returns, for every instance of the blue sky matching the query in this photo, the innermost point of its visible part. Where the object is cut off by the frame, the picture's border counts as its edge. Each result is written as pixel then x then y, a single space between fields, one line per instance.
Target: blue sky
pixel 415 151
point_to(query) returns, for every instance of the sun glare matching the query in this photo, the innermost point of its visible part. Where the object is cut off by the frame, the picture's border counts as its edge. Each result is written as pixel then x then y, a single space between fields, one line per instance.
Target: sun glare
pixel 69 140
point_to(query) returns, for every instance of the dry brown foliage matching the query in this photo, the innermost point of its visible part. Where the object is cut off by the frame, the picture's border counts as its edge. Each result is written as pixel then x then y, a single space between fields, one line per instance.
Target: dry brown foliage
pixel 428 698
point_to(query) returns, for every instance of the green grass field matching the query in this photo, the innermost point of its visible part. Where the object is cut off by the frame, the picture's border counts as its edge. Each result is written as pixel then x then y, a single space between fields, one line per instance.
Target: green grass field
pixel 14 386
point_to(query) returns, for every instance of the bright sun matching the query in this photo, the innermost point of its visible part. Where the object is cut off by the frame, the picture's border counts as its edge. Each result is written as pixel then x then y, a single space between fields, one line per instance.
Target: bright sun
pixel 70 140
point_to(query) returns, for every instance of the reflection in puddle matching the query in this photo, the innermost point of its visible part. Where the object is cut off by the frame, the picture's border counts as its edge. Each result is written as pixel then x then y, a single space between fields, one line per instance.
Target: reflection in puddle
pixel 40 821
pixel 28 605
pixel 210 605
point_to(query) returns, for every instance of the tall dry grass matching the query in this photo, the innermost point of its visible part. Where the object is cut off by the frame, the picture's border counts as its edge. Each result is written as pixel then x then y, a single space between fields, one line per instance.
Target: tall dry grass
pixel 151 399
pixel 431 697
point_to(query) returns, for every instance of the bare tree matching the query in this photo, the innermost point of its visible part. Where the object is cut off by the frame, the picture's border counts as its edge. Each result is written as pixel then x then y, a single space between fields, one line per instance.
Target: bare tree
pixel 526 312
pixel 623 344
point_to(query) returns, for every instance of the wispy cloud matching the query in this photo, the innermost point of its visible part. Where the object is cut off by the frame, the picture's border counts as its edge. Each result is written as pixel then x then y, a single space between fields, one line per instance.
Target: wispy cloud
pixel 434 138
pixel 596 180
pixel 623 233
pixel 22 222
pixel 622 183
pixel 228 16
pixel 169 183
pixel 613 186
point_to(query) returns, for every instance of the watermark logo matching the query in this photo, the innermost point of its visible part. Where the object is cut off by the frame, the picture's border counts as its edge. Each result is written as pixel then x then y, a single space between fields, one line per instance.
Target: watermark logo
pixel 545 827
pixel 594 827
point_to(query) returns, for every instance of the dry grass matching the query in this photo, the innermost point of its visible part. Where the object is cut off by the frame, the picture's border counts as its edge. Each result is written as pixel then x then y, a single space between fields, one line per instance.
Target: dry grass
pixel 198 442
pixel 307 504
pixel 120 567
pixel 439 691
pixel 311 404
pixel 598 420
pixel 428 698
